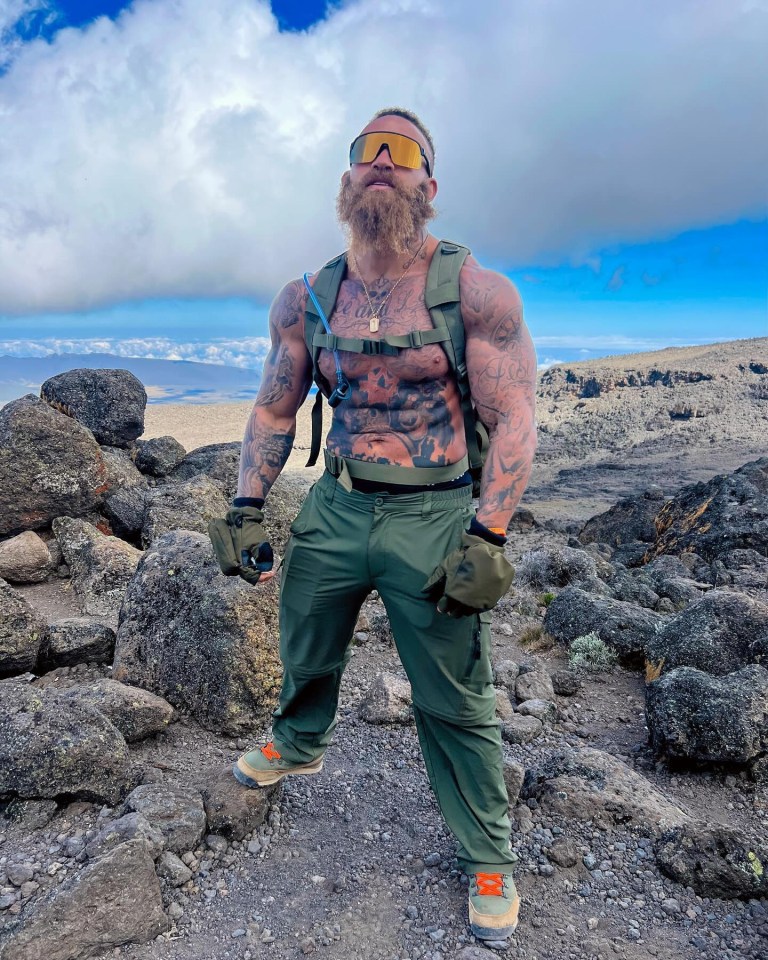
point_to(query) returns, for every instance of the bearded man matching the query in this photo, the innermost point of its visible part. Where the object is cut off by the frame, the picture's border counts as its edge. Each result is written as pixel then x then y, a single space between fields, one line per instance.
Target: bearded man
pixel 393 511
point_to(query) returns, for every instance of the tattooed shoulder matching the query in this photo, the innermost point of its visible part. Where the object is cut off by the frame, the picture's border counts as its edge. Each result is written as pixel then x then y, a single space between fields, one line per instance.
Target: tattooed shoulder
pixel 491 306
pixel 288 306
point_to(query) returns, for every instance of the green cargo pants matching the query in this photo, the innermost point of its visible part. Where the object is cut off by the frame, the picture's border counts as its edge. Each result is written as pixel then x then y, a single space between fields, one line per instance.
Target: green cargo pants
pixel 343 545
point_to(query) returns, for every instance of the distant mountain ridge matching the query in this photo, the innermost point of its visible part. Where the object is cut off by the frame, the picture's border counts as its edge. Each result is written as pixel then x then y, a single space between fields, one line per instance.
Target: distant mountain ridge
pixel 166 381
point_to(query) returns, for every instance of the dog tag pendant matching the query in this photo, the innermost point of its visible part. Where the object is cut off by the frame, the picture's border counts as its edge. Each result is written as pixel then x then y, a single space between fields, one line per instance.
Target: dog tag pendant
pixel 373 326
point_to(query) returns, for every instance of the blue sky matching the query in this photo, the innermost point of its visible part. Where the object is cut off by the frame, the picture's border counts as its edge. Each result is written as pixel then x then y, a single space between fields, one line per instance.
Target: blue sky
pixel 155 213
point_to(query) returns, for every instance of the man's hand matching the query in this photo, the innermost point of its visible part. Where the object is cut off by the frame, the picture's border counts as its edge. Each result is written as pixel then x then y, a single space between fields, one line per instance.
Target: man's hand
pixel 241 546
pixel 473 578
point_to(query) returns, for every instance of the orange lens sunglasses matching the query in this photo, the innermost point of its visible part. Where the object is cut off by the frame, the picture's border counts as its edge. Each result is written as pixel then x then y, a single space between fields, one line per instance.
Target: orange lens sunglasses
pixel 404 151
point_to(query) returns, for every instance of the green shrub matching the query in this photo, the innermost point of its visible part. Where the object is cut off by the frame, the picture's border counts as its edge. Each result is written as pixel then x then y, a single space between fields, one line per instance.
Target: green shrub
pixel 591 653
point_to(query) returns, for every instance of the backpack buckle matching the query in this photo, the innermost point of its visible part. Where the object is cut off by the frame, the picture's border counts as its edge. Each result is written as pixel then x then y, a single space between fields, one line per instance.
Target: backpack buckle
pixel 372 347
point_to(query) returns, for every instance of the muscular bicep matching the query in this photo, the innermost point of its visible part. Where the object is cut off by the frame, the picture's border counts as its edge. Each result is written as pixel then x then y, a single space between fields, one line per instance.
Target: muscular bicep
pixel 287 374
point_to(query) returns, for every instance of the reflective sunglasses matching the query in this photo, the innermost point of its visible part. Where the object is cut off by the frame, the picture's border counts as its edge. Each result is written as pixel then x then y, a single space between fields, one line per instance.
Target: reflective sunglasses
pixel 404 151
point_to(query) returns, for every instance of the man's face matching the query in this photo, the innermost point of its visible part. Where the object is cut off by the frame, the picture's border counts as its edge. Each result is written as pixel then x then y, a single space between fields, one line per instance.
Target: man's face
pixel 386 206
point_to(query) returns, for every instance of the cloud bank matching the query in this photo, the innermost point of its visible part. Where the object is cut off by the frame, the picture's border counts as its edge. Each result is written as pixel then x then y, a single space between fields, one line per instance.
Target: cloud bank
pixel 191 149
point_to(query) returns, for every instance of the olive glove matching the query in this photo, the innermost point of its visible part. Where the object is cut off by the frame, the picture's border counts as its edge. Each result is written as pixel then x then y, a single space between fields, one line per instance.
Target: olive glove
pixel 474 577
pixel 240 544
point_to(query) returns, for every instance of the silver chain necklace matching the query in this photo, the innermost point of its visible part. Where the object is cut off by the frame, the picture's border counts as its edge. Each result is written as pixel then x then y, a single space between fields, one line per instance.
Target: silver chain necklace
pixel 373 324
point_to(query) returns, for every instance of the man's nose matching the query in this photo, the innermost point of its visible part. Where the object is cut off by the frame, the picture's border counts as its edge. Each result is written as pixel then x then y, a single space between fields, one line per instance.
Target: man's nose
pixel 383 161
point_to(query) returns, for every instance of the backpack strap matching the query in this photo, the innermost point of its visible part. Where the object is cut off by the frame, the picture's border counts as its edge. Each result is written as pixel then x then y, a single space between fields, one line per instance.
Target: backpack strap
pixel 326 289
pixel 443 299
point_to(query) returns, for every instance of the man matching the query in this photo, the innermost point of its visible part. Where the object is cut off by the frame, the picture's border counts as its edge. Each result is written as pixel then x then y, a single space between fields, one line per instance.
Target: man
pixel 393 511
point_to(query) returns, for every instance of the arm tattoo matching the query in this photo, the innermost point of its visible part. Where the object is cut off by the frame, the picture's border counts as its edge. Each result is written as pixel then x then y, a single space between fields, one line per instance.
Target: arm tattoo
pixel 263 456
pixel 278 376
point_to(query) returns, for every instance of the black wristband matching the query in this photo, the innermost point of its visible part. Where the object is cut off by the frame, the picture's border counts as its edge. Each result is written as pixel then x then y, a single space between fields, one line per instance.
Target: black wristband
pixel 257 502
pixel 478 529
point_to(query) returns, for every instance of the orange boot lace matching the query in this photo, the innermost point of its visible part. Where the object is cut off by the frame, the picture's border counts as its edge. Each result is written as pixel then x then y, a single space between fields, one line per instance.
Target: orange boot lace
pixel 270 753
pixel 490 884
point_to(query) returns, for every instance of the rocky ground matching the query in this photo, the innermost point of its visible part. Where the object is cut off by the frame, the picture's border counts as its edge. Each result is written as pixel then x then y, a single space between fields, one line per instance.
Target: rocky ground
pixel 355 861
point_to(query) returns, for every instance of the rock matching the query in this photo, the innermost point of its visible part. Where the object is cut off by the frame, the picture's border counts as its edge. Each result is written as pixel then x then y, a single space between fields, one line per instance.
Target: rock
pixel 159 456
pixel 720 633
pixel 22 632
pixel 110 403
pixel 170 868
pixel 218 461
pixel 101 567
pixel 25 559
pixel 229 809
pixel 541 709
pixel 136 713
pixel 514 774
pixel 591 785
pixel 132 826
pixel 520 729
pixel 716 860
pixel 522 519
pixel 628 520
pixel 476 953
pixel 565 682
pixel 633 589
pixel 505 674
pixel 564 853
pixel 77 640
pixel 52 746
pixel 632 554
pixel 49 466
pixel 285 500
pixel 680 591
pixel 190 505
pixel 19 873
pixel 554 567
pixel 504 708
pixel 176 812
pixel 125 510
pixel 534 685
pixel 205 642
pixel 695 716
pixel 122 472
pixel 725 513
pixel 388 700
pixel 112 901
pixel 625 628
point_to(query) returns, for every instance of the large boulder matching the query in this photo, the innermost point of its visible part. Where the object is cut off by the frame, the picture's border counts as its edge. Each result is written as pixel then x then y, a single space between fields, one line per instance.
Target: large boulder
pixel 591 785
pixel 159 456
pixel 218 461
pixel 725 513
pixel 719 633
pixel 206 642
pixel 110 403
pixel 125 510
pixel 51 746
pixel 190 505
pixel 77 640
pixel 627 521
pixel 115 899
pixel 136 713
pixel 25 559
pixel 283 504
pixel 694 716
pixel 121 470
pixel 101 567
pixel 624 627
pixel 49 465
pixel 22 632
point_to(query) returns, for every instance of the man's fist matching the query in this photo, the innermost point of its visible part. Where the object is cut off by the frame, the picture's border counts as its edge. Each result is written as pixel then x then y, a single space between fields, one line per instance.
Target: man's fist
pixel 240 544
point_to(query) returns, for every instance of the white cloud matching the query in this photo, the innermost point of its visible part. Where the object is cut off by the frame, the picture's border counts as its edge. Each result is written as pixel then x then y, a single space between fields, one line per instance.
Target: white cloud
pixel 190 149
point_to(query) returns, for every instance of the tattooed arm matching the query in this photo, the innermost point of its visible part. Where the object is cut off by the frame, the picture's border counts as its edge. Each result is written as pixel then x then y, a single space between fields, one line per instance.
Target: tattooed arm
pixel 501 362
pixel 285 383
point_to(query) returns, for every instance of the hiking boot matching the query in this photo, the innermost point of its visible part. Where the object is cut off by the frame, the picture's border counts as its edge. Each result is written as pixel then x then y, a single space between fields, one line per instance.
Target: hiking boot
pixel 493 905
pixel 262 768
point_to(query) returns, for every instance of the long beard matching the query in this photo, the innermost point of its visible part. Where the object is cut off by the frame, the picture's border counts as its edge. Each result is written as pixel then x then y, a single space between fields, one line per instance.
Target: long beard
pixel 387 221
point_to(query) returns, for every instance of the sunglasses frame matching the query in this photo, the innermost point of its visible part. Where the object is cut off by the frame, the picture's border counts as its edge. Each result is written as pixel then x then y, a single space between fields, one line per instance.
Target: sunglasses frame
pixel 424 156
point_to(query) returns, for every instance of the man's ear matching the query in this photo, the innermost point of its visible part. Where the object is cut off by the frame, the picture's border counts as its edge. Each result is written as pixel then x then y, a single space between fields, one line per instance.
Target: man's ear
pixel 345 178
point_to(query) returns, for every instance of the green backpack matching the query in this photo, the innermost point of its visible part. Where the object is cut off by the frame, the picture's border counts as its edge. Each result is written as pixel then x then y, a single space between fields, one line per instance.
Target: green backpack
pixel 444 304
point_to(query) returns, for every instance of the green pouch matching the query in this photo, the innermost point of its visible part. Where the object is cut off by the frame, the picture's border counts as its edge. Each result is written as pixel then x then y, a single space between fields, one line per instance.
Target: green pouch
pixel 471 579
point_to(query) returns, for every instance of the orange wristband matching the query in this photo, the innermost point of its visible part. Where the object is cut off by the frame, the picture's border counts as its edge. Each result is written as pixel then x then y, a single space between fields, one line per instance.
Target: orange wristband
pixel 498 530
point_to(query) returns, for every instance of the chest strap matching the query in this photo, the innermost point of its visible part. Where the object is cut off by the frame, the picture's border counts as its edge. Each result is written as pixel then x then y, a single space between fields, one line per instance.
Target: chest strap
pixel 347 469
pixel 390 345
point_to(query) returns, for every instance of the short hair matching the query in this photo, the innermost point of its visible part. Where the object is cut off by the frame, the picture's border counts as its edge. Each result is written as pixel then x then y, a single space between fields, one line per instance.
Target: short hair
pixel 411 117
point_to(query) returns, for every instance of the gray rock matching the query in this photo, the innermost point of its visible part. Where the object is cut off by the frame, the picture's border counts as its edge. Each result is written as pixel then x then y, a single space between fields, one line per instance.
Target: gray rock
pixel 680 590
pixel 218 461
pixel 534 685
pixel 543 710
pixel 521 729
pixel 136 713
pixel 628 520
pixel 110 403
pixel 554 567
pixel 122 472
pixel 159 456
pixel 49 466
pixel 51 746
pixel 125 510
pixel 170 868
pixel 205 642
pixel 101 567
pixel 565 682
pixel 175 811
pixel 633 589
pixel 625 628
pixel 591 785
pixel 695 716
pixel 77 640
pixel 504 708
pixel 476 953
pixel 388 700
pixel 22 632
pixel 132 826
pixel 19 873
pixel 190 505
pixel 229 809
pixel 25 559
pixel 112 901
pixel 564 853
pixel 514 774
pixel 505 674
pixel 720 633
pixel 716 860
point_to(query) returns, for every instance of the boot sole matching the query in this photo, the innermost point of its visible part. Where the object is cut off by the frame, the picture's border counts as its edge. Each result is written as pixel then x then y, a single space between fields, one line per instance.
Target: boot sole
pixel 506 924
pixel 268 777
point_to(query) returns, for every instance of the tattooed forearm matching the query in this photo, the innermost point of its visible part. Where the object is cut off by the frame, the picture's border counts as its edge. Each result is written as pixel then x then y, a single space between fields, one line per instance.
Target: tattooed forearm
pixel 506 471
pixel 262 457
pixel 278 377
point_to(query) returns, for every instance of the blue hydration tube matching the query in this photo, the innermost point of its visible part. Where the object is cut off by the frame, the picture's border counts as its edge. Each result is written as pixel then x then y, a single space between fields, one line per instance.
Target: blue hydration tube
pixel 342 384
